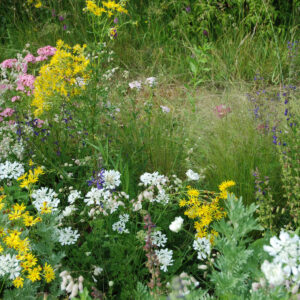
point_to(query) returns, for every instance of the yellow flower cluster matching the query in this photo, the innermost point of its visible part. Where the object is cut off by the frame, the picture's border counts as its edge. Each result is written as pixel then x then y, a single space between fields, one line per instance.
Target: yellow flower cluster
pixel 11 238
pixel 109 7
pixel 65 75
pixel 31 177
pixel 204 211
pixel 37 3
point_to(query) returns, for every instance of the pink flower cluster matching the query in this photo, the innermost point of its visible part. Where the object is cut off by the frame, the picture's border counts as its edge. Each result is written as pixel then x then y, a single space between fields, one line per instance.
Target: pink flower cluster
pixel 9 63
pixel 44 52
pixel 221 110
pixel 7 112
pixel 25 80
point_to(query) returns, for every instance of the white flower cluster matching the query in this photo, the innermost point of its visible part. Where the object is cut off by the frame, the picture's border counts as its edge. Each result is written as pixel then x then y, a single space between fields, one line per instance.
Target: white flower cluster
pixel 9 265
pixel 150 81
pixel 47 195
pixel 191 175
pixel 176 225
pixel 67 236
pixel 70 285
pixel 148 179
pixel 203 247
pixel 73 196
pixel 286 259
pixel 104 201
pixel 9 143
pixel 120 226
pixel 165 259
pixel 111 179
pixel 158 238
pixel 10 170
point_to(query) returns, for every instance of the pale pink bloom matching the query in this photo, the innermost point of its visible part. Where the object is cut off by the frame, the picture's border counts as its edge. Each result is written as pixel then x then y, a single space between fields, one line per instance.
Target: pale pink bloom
pixel 30 58
pixel 15 98
pixel 25 80
pixel 165 109
pixel 11 122
pixel 9 63
pixel 7 112
pixel 222 110
pixel 135 85
pixel 46 51
pixel 38 123
pixel 1 119
pixel 41 58
pixel 6 87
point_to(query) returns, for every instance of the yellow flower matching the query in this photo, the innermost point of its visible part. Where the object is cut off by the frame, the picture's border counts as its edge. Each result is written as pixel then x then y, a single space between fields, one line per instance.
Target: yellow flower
pixel 1 249
pixel 15 215
pixel 182 203
pixel 34 274
pixel 226 184
pixel 18 282
pixel 46 209
pixel 193 193
pixel 18 207
pixel 48 273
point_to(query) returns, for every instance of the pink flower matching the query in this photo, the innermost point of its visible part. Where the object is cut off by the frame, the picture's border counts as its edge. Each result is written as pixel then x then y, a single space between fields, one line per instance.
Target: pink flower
pixel 15 98
pixel 1 119
pixel 41 58
pixel 38 123
pixel 46 51
pixel 7 112
pixel 25 80
pixel 11 122
pixel 222 110
pixel 9 63
pixel 30 58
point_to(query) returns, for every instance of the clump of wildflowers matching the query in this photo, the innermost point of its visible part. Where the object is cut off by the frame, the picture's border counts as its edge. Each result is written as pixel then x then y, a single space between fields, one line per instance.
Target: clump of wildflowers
pixel 59 77
pixel 203 211
pixel 109 7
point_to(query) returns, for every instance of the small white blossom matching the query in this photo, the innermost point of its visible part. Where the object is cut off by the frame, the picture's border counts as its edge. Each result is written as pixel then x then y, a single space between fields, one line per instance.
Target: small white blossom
pixel 153 179
pixel 135 85
pixel 151 81
pixel 9 265
pixel 176 225
pixel 192 175
pixel 164 257
pixel 203 247
pixel 158 239
pixel 120 226
pixel 165 109
pixel 47 195
pixel 10 170
pixel 111 179
pixel 67 236
pixel 74 195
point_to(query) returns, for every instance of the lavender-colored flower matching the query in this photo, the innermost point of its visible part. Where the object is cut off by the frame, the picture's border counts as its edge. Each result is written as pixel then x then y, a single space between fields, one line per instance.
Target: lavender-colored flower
pixel 188 9
pixel 205 32
pixel 97 179
pixel 61 18
pixel 116 20
pixel 65 27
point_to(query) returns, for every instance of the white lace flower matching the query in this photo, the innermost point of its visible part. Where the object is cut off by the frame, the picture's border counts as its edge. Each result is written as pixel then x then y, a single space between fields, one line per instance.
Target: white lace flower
pixel 10 170
pixel 67 236
pixel 9 265
pixel 111 179
pixel 164 257
pixel 95 196
pixel 47 195
pixel 120 226
pixel 151 81
pixel 158 239
pixel 74 195
pixel 153 179
pixel 135 85
pixel 203 247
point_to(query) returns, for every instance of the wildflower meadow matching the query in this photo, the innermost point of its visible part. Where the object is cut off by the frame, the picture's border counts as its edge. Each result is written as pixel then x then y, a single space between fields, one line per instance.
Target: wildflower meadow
pixel 149 149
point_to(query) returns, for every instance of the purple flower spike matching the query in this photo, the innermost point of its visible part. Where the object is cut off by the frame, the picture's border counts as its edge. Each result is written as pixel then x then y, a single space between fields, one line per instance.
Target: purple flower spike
pixel 205 32
pixel 65 27
pixel 61 18
pixel 116 20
